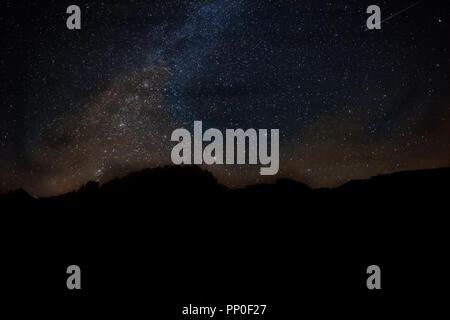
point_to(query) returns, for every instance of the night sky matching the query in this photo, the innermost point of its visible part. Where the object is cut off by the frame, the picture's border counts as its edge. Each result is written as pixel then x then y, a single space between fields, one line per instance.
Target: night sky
pixel 97 103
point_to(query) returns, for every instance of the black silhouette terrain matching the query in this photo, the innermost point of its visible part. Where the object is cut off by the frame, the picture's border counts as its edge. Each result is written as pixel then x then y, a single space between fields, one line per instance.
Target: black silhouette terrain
pixel 183 182
pixel 165 237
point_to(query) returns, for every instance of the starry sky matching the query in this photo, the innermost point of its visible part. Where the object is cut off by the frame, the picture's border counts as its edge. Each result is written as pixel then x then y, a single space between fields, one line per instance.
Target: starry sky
pixel 97 103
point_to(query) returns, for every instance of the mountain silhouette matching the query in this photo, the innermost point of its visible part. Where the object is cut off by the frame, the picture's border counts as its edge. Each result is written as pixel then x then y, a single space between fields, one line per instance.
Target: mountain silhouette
pixel 178 230
pixel 158 181
pixel 16 196
pixel 190 184
pixel 192 179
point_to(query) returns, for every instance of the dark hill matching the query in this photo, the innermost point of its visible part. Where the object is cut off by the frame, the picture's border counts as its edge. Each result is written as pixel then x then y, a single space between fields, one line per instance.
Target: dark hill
pixel 177 229
pixel 149 184
pixel 191 181
pixel 16 196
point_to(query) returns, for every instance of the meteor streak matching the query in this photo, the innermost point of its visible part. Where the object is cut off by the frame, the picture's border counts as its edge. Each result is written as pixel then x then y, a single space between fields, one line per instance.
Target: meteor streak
pixel 397 13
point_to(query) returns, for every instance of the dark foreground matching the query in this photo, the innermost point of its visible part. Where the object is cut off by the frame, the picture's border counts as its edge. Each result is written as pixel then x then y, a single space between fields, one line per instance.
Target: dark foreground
pixel 161 239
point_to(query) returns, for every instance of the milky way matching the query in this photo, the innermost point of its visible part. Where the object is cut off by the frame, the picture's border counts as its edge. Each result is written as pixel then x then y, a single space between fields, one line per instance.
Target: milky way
pixel 97 103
